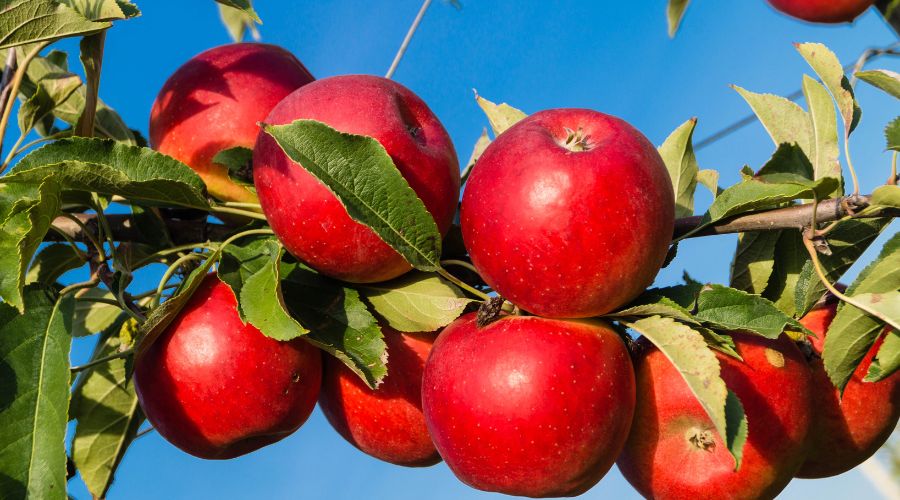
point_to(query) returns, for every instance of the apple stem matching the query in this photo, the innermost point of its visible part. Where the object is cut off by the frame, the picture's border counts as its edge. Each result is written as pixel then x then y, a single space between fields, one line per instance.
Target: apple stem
pixel 409 34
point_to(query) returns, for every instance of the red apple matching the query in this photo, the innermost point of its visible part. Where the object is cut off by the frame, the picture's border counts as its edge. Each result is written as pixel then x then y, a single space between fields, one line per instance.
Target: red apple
pixel 214 101
pixel 217 388
pixel 386 423
pixel 823 11
pixel 307 217
pixel 569 213
pixel 847 430
pixel 674 452
pixel 527 405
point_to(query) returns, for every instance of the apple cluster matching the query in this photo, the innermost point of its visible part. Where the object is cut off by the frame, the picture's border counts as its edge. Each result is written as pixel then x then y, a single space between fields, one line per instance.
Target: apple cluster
pixel 568 215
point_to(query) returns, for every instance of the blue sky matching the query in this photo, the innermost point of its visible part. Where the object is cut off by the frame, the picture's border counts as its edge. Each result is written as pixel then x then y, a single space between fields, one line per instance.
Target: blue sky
pixel 614 57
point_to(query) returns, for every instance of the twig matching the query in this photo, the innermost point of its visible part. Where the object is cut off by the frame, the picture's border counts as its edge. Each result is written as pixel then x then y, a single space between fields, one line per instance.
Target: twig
pixel 795 217
pixel 192 232
pixel 409 35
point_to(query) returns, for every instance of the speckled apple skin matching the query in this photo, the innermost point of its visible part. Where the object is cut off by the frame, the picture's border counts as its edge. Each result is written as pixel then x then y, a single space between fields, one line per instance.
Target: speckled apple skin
pixel 214 101
pixel 774 385
pixel 217 388
pixel 529 406
pixel 307 217
pixel 386 423
pixel 823 11
pixel 850 428
pixel 568 234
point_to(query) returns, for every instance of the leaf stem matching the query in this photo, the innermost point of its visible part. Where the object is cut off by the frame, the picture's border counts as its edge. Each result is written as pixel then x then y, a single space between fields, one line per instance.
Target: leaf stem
pixel 14 88
pixel 237 204
pixel 460 263
pixel 81 255
pixel 100 361
pixel 91 283
pixel 172 269
pixel 87 234
pixel 168 251
pixel 892 180
pixel 817 266
pixel 409 34
pixel 850 164
pixel 100 300
pixel 238 211
pixel 462 284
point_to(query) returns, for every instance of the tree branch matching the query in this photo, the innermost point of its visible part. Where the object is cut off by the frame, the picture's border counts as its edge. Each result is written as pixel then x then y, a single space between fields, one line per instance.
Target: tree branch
pixel 795 217
pixel 191 229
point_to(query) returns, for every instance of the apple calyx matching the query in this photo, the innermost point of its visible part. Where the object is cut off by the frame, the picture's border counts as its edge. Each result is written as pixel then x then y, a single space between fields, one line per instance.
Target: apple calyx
pixel 577 141
pixel 701 439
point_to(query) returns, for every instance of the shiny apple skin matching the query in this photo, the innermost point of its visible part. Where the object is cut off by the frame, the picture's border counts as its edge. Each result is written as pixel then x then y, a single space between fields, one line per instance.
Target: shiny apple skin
pixel 568 234
pixel 217 388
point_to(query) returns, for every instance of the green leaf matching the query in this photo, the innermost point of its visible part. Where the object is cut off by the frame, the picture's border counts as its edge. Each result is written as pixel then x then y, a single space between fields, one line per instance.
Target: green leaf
pixel 737 427
pixel 754 261
pixel 720 342
pixel 238 161
pixel 831 72
pixel 241 260
pixel 106 407
pixel 736 310
pixel 238 22
pixel 480 145
pixel 112 168
pixel 883 79
pixel 886 196
pixel 887 303
pixel 710 179
pixel 94 317
pixel 104 10
pixel 27 212
pixel 671 302
pixel 852 332
pixel 416 302
pixel 338 321
pixel 107 123
pixel 52 262
pixel 500 116
pixel 242 5
pixel 34 396
pixel 790 258
pixel 262 300
pixel 29 21
pixel 784 120
pixel 678 154
pixel 364 178
pixel 892 135
pixel 49 93
pixel 674 14
pixel 887 359
pixel 847 242
pixel 824 152
pixel 759 193
pixel 687 350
